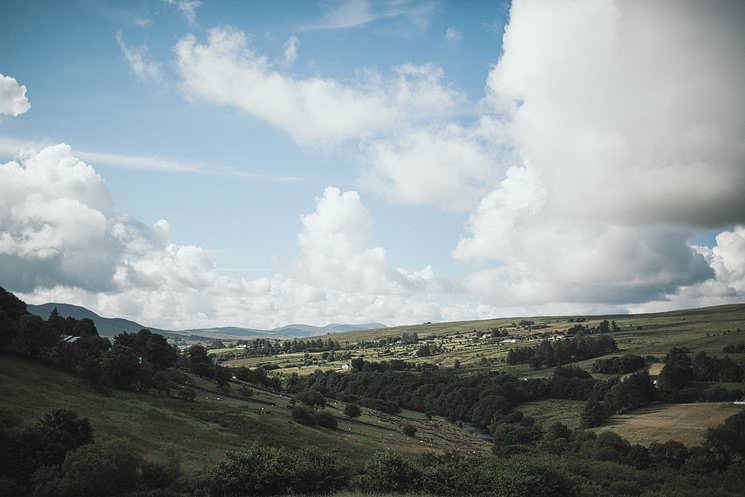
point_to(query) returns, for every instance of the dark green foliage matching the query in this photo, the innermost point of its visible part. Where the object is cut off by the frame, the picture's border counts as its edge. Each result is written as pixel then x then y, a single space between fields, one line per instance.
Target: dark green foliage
pixel 263 471
pixel 304 415
pixel 389 472
pixel 311 397
pixel 678 371
pixel 409 430
pixel 619 365
pixel 326 420
pixel 515 434
pixel 186 393
pixel 352 410
pixel 245 392
pixel 551 353
pixel 121 367
pixel 43 444
pixel 673 454
pixel 727 441
pixel 102 470
pixel 707 368
pixel 593 413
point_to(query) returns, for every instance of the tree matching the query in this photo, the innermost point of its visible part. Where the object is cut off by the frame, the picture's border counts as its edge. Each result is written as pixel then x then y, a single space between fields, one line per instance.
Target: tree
pixel 593 413
pixel 409 430
pixel 58 432
pixel 326 419
pixel 311 397
pixel 352 410
pixel 100 470
pixel 389 472
pixel 121 367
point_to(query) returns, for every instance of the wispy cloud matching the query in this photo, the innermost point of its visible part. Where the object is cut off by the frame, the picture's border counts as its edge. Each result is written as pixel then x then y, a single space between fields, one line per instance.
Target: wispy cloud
pixel 188 8
pixel 11 147
pixel 349 14
pixel 291 51
pixel 452 35
pixel 136 60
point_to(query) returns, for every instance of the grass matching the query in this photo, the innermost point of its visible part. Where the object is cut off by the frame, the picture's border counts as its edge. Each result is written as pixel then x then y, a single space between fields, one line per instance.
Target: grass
pixel 708 329
pixel 201 431
pixel 686 423
pixel 546 412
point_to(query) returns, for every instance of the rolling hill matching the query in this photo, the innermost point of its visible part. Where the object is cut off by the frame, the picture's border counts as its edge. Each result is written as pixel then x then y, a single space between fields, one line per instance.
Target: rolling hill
pixel 113 326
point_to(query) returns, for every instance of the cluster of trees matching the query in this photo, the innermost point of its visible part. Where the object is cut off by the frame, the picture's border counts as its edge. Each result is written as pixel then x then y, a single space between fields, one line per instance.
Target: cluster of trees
pixel 550 353
pixel 734 349
pixel 56 457
pixel 480 398
pixel 709 368
pixel 138 361
pixel 619 365
pixel 612 397
pixel 267 347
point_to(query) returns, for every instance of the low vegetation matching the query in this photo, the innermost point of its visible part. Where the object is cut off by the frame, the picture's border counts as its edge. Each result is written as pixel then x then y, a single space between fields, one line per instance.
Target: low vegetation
pixel 576 406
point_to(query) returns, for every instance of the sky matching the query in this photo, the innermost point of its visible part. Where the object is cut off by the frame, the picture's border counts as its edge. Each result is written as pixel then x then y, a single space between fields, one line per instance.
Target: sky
pixel 188 163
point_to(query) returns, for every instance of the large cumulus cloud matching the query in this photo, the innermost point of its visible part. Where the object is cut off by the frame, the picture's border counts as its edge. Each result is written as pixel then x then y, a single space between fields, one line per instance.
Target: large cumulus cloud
pixel 628 130
pixel 62 240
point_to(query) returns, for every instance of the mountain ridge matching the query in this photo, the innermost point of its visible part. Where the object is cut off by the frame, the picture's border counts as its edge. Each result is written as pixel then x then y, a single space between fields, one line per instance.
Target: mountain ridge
pixel 111 326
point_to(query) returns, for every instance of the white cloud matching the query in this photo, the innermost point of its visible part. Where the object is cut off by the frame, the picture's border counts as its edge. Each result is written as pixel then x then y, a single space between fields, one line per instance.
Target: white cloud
pixel 136 59
pixel 627 133
pixel 348 14
pixel 450 167
pixel 452 35
pixel 290 53
pixel 188 8
pixel 13 100
pixel 61 240
pixel 311 110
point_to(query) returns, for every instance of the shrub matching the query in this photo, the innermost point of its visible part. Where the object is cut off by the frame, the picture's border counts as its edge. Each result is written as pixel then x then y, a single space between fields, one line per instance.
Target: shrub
pixel 327 420
pixel 352 410
pixel 304 416
pixel 409 430
pixel 389 472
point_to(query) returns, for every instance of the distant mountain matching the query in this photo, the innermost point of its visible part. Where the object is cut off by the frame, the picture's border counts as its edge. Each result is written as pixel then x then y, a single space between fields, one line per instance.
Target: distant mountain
pixel 306 330
pixel 106 326
pixel 231 332
pixel 114 326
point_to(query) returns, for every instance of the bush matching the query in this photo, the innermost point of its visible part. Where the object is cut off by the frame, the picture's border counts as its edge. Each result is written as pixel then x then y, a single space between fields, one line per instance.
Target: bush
pixel 409 430
pixel 311 397
pixel 389 472
pixel 352 410
pixel 245 392
pixel 304 416
pixel 186 393
pixel 264 471
pixel 327 420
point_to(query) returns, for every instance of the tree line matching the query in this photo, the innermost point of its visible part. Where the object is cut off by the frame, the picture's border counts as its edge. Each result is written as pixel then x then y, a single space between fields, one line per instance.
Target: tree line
pixel 549 353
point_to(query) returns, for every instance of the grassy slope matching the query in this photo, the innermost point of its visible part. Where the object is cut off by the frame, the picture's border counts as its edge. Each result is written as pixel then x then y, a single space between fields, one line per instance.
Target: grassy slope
pixel 203 430
pixel 707 329
pixel 685 423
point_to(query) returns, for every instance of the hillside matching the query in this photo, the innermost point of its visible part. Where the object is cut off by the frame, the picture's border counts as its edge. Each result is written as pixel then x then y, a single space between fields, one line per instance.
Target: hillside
pixel 201 431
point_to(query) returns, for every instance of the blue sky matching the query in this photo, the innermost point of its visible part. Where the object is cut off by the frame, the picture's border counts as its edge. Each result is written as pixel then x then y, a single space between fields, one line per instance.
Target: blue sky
pixel 474 185
pixel 85 94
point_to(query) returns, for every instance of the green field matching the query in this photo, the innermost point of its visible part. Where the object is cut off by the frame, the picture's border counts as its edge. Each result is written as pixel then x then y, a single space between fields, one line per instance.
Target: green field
pixel 686 423
pixel 708 329
pixel 546 412
pixel 201 431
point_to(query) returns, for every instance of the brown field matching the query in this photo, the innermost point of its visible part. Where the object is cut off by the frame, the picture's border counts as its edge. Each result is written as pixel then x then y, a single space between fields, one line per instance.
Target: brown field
pixel 686 423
